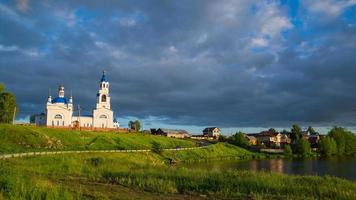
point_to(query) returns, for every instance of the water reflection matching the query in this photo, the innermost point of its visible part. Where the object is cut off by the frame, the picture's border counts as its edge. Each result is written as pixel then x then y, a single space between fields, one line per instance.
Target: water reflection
pixel 341 167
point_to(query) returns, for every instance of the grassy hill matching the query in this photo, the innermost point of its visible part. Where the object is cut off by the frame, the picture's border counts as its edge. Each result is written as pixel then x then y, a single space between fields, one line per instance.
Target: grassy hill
pixel 16 138
pixel 148 176
pixel 144 175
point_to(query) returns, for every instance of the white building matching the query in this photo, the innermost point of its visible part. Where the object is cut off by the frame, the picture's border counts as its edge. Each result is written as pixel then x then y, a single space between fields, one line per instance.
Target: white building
pixel 59 111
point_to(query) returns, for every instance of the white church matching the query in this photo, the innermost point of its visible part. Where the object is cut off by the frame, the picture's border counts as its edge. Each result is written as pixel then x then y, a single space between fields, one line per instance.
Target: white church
pixel 59 111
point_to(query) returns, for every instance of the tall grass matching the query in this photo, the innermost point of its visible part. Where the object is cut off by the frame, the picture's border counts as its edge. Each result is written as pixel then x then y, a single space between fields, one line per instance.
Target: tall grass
pixel 62 177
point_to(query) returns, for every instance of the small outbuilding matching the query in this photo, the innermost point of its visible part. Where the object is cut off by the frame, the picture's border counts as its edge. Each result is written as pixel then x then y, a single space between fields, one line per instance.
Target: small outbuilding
pixel 174 133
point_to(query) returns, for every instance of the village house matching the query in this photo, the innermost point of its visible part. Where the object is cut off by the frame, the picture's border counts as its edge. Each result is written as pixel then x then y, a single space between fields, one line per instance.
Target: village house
pixel 213 132
pixel 173 133
pixel 251 139
pixel 271 138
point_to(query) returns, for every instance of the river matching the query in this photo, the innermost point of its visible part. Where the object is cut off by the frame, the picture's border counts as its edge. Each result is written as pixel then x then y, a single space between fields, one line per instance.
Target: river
pixel 343 167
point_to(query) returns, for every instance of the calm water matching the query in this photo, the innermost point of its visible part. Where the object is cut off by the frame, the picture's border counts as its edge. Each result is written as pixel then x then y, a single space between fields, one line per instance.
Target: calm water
pixel 340 167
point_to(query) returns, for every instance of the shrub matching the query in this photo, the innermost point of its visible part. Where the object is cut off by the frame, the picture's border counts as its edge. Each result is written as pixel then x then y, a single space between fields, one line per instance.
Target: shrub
pixel 239 139
pixel 156 147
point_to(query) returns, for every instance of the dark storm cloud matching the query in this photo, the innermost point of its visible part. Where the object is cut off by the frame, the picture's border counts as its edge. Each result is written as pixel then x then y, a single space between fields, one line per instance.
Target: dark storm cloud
pixel 224 63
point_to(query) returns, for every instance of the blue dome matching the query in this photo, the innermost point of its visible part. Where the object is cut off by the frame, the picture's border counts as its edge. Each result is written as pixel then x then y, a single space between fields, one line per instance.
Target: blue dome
pixel 60 100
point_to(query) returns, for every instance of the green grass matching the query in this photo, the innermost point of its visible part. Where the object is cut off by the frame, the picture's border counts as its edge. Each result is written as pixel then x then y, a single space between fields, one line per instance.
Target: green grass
pixel 219 151
pixel 30 138
pixel 141 175
pixel 148 176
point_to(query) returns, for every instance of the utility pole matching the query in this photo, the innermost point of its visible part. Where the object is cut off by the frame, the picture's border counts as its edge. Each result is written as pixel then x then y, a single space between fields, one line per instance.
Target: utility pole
pixel 14 116
pixel 80 128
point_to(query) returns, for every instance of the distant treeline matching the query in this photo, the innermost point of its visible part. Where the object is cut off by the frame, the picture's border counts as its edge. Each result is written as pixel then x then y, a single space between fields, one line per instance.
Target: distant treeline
pixel 338 141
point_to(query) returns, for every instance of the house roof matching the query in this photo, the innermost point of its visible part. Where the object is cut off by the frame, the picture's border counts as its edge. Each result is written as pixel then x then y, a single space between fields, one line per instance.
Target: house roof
pixel 174 131
pixel 209 129
pixel 264 134
pixel 250 137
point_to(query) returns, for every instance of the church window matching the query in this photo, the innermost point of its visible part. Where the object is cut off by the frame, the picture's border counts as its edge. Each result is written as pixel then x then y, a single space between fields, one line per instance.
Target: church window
pixel 103 98
pixel 52 123
pixel 62 123
pixel 102 126
pixel 103 116
pixel 58 116
pixel 57 123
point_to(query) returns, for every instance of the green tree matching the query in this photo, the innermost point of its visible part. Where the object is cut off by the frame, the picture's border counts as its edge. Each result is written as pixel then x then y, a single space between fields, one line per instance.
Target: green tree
pixel 239 139
pixel 272 130
pixel 311 130
pixel 345 140
pixel 302 147
pixel 296 132
pixel 327 146
pixel 2 88
pixel 7 105
pixel 288 150
pixel 137 125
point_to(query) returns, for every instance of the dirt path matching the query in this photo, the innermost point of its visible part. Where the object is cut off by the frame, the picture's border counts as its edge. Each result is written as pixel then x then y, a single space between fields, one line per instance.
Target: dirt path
pixel 39 153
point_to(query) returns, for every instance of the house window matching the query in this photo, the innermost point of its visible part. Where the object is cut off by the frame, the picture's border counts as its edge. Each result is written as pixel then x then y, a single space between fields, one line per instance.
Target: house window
pixel 57 123
pixel 52 123
pixel 103 117
pixel 103 98
pixel 63 123
pixel 58 116
pixel 102 125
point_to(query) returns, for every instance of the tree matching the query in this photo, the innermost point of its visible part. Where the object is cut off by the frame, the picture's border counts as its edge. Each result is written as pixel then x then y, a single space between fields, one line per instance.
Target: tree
pixel 272 130
pixel 327 146
pixel 134 125
pixel 7 105
pixel 302 147
pixel 288 150
pixel 137 125
pixel 2 88
pixel 296 132
pixel 345 140
pixel 311 131
pixel 239 139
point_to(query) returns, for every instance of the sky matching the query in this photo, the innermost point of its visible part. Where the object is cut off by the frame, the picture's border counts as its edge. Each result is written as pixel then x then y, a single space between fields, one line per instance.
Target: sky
pixel 239 64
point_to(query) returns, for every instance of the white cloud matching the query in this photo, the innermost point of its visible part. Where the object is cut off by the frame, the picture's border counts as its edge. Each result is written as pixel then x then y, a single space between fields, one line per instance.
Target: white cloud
pixel 331 8
pixel 128 22
pixel 8 48
pixel 173 49
pixel 273 22
pixel 259 42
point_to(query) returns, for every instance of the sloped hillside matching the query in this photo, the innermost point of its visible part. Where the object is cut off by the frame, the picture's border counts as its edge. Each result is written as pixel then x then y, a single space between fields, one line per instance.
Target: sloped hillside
pixel 16 138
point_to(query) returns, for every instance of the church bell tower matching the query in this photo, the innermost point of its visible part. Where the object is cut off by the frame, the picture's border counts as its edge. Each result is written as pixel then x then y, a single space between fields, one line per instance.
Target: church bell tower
pixel 103 98
pixel 103 116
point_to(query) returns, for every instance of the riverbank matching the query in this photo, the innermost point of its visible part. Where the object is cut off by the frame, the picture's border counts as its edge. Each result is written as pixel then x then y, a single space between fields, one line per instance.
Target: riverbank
pixel 147 175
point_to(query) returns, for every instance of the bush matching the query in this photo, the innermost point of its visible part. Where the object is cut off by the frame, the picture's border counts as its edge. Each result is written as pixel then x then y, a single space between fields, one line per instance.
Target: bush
pixel 156 147
pixel 96 161
pixel 239 139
